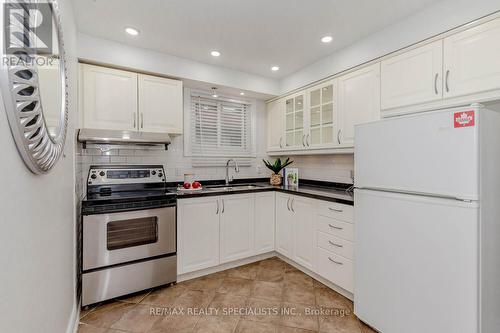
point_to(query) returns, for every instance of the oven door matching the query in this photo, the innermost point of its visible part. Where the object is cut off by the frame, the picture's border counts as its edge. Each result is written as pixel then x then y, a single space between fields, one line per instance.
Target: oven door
pixel 115 238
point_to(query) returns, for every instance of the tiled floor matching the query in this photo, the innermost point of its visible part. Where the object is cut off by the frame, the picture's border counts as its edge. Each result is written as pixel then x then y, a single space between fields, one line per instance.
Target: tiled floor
pixel 267 296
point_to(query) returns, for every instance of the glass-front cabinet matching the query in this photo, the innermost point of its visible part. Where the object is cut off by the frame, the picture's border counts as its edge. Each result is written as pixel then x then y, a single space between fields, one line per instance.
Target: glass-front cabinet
pixel 322 108
pixel 294 121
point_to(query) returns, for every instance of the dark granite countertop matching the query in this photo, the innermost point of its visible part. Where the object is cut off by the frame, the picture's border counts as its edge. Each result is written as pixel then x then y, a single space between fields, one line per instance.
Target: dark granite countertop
pixel 335 192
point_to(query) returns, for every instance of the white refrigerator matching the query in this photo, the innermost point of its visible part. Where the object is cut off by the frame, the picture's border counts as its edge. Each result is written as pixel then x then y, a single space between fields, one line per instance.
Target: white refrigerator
pixel 427 212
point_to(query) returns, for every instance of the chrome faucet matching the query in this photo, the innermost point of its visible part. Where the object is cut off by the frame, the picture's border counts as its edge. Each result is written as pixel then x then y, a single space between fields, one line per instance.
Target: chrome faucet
pixel 236 169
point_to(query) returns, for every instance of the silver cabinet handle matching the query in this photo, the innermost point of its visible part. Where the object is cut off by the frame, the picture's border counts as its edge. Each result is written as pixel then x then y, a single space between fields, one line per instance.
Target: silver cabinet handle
pixel 303 140
pixel 338 136
pixel 142 120
pixel 291 205
pixel 335 210
pixel 436 83
pixel 217 212
pixel 222 206
pixel 134 118
pixel 307 139
pixel 336 262
pixel 288 204
pixel 335 227
pixel 334 244
pixel 281 142
pixel 446 81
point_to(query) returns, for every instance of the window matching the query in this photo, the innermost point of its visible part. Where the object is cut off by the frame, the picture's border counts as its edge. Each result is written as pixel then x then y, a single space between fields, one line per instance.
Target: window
pixel 219 128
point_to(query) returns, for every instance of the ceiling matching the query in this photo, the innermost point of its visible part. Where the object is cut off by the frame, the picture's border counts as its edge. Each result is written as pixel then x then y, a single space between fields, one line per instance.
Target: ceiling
pixel 251 35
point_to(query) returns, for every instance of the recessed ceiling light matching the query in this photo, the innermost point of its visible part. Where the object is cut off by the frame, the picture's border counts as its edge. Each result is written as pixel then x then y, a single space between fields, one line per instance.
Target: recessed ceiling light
pixel 215 53
pixel 242 93
pixel 132 31
pixel 327 39
pixel 275 68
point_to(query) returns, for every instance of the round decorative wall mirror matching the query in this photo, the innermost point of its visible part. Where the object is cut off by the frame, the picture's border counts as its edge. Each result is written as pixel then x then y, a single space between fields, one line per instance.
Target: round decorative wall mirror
pixel 33 81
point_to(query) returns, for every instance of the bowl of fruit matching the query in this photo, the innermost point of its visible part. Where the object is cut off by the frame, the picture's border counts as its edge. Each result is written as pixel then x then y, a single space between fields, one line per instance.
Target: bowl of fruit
pixel 190 184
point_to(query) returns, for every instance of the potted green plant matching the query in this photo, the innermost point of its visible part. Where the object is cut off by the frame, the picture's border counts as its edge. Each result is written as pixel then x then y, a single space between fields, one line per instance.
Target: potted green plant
pixel 276 167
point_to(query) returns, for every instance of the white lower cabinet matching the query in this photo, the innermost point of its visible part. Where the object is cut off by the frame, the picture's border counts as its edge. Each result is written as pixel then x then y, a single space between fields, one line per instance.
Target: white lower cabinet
pixel 303 230
pixel 284 225
pixel 336 269
pixel 197 233
pixel 236 227
pixel 264 222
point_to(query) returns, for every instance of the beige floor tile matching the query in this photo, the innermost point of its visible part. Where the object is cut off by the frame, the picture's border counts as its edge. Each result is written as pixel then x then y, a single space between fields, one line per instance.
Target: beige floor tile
pixel 194 299
pixel 247 326
pixel 245 272
pixel 208 282
pixel 299 294
pixel 221 301
pixel 299 278
pixel 175 323
pixel 83 328
pixel 164 296
pixel 106 315
pixel 328 298
pixel 136 320
pixel 273 263
pixel 284 329
pixel 337 324
pixel 86 310
pixel 318 284
pixel 263 311
pixel 272 291
pixel 270 274
pixel 216 324
pixel 365 328
pixel 236 286
pixel 299 318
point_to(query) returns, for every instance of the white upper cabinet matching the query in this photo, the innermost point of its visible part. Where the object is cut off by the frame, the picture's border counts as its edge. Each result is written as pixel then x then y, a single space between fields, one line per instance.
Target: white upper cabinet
pixel 275 116
pixel 160 105
pixel 294 121
pixel 109 98
pixel 472 60
pixel 359 101
pixel 322 115
pixel 121 100
pixel 412 77
pixel 236 226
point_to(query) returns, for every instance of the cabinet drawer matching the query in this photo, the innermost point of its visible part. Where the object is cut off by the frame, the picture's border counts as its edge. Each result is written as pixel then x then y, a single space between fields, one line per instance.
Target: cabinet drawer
pixel 336 245
pixel 335 227
pixel 337 211
pixel 336 269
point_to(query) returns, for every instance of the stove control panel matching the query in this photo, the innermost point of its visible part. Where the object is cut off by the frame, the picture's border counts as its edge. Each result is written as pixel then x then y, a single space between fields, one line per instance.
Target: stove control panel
pixel 130 174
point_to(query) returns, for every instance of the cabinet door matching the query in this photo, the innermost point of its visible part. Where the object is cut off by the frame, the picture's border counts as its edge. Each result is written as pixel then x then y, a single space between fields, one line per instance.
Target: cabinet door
pixel 198 233
pixel 284 225
pixel 303 230
pixel 322 115
pixel 294 121
pixel 412 77
pixel 160 105
pixel 109 98
pixel 264 222
pixel 472 60
pixel 275 113
pixel 359 101
pixel 236 227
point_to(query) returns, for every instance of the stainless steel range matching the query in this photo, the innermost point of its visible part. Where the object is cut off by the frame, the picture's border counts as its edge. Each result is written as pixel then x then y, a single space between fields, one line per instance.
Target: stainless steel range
pixel 129 232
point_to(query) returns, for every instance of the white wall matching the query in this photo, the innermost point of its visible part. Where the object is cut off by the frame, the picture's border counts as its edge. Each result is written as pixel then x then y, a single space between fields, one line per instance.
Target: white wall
pixel 436 19
pixel 37 240
pixel 109 52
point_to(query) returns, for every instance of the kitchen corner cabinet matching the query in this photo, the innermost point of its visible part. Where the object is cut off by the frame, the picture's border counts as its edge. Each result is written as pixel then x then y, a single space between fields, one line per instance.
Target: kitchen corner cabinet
pixel 264 228
pixel 284 225
pixel 275 114
pixel 122 100
pixel 358 101
pixel 236 227
pixel 198 233
pixel 303 230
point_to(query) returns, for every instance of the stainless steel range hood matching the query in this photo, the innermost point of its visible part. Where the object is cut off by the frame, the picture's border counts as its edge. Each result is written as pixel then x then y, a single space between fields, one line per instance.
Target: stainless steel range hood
pixel 100 136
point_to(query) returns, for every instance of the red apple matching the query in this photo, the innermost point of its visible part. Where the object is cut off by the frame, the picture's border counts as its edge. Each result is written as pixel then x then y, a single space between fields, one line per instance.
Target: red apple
pixel 196 185
pixel 187 186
